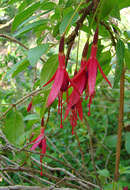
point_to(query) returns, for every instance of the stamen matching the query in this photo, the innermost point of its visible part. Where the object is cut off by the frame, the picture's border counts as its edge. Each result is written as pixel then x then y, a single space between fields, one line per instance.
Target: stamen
pixel 59 102
pixel 61 126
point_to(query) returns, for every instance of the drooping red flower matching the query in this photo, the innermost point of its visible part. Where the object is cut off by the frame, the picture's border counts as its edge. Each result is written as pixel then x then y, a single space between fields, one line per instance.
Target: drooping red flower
pixel 80 80
pixel 125 188
pixel 40 142
pixel 61 81
pixel 92 66
pixel 74 98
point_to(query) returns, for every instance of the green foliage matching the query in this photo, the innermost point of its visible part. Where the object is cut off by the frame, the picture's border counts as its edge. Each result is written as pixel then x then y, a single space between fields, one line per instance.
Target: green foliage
pixel 39 25
pixel 14 127
pixel 127 144
pixel 49 69
pixel 120 50
pixel 25 14
pixel 35 53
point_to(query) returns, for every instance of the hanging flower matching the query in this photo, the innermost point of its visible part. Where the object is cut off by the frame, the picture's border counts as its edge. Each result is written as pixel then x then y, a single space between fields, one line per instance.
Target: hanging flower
pixel 125 188
pixel 80 80
pixel 92 66
pixel 61 80
pixel 40 142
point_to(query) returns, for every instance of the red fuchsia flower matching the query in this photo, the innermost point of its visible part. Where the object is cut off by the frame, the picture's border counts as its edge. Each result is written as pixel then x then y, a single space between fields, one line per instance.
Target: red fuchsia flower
pixel 29 107
pixel 125 188
pixel 74 103
pixel 40 142
pixel 61 81
pixel 92 66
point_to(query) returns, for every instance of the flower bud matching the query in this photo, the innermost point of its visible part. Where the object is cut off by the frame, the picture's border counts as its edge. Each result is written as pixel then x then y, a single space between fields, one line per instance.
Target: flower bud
pixel 61 45
pixel 95 39
pixel 29 107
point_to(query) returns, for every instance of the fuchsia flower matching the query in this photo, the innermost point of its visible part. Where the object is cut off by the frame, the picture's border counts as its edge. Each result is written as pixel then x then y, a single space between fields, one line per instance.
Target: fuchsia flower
pixel 74 103
pixel 125 188
pixel 61 80
pixel 86 77
pixel 92 66
pixel 40 142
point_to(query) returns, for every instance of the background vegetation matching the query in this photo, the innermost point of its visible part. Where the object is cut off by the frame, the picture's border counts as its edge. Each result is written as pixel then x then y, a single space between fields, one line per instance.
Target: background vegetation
pixel 30 31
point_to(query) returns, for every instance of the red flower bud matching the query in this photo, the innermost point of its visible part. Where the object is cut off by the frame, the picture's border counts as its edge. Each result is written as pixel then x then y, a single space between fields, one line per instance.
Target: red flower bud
pixel 29 107
pixel 42 122
pixel 61 45
pixel 95 39
pixel 85 50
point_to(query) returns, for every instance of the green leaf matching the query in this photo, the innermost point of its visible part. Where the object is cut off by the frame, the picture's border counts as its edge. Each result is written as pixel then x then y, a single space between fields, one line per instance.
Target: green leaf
pixel 127 58
pixel 104 61
pixel 48 6
pixel 127 142
pixel 30 26
pixel 24 4
pixel 104 173
pixel 115 12
pixel 44 102
pixel 123 4
pixel 49 68
pixel 14 127
pixel 20 67
pixel 12 1
pixel 107 7
pixel 111 141
pixel 32 117
pixel 34 54
pixel 66 19
pixel 22 16
pixel 120 52
pixel 124 170
pixel 16 68
pixel 127 34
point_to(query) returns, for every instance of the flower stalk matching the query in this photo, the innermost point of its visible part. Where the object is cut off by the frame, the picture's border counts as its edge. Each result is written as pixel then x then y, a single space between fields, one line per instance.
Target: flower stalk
pixel 120 126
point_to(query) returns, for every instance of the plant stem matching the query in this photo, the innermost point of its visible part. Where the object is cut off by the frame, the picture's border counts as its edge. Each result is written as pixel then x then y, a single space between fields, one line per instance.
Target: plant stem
pixel 94 16
pixel 120 125
pixel 16 41
pixel 72 18
pixel 77 52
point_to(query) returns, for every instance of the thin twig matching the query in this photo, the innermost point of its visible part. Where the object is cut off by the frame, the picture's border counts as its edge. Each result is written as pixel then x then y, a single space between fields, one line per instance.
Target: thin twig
pixel 62 170
pixel 120 126
pixel 21 101
pixel 17 42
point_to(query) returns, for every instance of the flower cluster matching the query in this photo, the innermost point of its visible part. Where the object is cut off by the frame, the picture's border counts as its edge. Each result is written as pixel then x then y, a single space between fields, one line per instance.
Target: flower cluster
pixel 83 80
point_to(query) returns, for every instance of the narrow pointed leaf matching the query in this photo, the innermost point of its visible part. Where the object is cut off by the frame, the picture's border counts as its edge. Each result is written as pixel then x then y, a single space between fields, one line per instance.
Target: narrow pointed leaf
pixel 25 14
